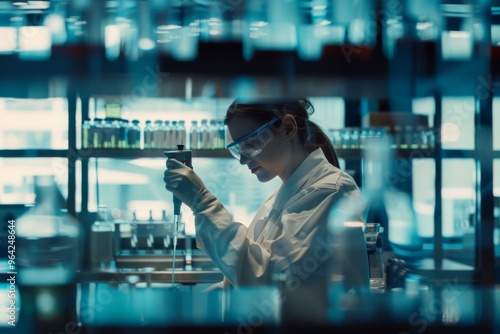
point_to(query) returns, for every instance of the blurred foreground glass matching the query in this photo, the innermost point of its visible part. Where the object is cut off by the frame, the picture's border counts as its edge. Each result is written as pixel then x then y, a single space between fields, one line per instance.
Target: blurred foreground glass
pixel 410 21
pixel 48 257
pixel 269 25
pixel 178 31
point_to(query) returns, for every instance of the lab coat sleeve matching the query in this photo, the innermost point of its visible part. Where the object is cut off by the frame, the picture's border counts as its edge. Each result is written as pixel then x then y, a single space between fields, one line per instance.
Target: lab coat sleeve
pixel 245 262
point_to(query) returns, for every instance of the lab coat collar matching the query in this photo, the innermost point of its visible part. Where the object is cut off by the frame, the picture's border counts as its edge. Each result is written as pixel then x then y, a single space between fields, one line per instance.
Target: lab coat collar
pixel 314 160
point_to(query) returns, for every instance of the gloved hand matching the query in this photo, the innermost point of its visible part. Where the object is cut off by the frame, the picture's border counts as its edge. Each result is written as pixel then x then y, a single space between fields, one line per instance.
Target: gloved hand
pixel 183 182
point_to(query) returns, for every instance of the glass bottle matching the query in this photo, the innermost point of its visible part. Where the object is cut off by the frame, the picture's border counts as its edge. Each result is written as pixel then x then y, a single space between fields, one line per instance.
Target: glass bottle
pixel 222 135
pixel 107 131
pixel 213 134
pixel 181 133
pixel 123 132
pixel 158 141
pixel 148 135
pixel 85 134
pixel 398 137
pixel 48 256
pixel 174 137
pixel 408 137
pixel 194 136
pixel 204 135
pixel 167 134
pixel 98 133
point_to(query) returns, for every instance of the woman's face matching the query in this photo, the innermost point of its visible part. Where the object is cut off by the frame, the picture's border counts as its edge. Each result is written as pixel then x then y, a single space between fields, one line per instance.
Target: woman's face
pixel 275 156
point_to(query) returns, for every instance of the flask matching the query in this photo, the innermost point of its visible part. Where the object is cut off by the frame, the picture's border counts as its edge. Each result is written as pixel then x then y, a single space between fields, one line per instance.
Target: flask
pixel 48 257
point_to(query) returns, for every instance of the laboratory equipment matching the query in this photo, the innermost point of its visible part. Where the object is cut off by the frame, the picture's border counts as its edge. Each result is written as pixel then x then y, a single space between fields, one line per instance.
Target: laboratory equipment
pixel 184 156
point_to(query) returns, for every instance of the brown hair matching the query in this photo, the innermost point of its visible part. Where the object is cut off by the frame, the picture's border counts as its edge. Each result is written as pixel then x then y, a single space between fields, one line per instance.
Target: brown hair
pixel 310 134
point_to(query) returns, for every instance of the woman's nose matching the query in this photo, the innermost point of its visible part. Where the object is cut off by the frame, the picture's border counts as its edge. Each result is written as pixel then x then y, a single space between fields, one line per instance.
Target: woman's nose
pixel 244 160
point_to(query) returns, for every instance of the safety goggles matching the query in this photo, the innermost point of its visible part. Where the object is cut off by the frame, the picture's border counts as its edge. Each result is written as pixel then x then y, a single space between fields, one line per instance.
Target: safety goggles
pixel 251 145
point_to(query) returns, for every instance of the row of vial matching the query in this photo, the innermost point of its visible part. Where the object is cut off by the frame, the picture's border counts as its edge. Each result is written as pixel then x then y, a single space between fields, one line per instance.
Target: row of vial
pixel 121 133
pixel 409 137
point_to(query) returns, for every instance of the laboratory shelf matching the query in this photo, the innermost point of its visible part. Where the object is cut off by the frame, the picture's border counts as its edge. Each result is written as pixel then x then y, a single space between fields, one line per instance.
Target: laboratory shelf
pixel 33 153
pixel 355 154
pixel 147 153
pixel 350 154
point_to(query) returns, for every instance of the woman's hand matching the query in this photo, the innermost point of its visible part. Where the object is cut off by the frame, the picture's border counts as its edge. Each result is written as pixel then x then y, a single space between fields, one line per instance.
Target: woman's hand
pixel 184 183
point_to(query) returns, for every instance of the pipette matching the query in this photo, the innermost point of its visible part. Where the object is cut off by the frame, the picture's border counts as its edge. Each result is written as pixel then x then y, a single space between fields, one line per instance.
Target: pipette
pixel 184 156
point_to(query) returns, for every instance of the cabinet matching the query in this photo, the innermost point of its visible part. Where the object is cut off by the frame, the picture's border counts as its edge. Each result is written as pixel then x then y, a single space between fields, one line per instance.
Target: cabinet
pixel 368 79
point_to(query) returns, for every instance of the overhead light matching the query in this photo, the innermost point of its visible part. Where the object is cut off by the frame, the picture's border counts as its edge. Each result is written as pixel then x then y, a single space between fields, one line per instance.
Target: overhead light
pixel 19 3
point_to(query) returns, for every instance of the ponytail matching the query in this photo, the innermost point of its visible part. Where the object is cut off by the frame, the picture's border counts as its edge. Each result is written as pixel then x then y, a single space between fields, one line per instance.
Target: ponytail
pixel 317 138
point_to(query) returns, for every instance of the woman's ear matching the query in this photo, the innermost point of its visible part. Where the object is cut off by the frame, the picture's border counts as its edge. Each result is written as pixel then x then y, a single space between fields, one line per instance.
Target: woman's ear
pixel 289 126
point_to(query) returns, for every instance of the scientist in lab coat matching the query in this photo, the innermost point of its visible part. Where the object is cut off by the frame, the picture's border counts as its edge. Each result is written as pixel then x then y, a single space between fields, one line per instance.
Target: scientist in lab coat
pixel 288 233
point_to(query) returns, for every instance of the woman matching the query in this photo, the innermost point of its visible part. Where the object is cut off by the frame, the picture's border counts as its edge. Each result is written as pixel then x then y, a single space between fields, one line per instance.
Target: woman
pixel 273 138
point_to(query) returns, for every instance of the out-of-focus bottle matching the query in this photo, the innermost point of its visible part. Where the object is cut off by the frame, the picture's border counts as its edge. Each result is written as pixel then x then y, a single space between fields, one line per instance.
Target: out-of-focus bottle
pixel 148 135
pixel 98 133
pixel 48 257
pixel 398 136
pixel 212 134
pixel 204 135
pixel 421 134
pixel 158 135
pixel 123 131
pixel 194 136
pixel 107 130
pixel 408 137
pixel 134 135
pixel 354 138
pixel 181 133
pixel 167 134
pixel 174 135
pixel 431 138
pixel 222 134
pixel 86 143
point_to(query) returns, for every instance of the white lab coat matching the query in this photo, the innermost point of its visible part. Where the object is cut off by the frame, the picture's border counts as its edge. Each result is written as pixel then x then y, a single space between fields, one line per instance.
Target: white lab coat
pixel 284 230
